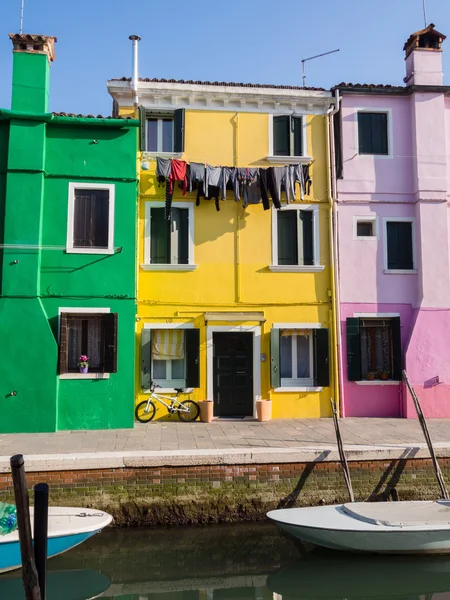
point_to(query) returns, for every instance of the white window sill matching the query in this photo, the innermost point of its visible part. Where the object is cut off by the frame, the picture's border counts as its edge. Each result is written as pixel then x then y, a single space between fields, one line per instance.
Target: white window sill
pixel 296 268
pixel 167 390
pixel 367 238
pixel 90 250
pixel 161 154
pixel 298 389
pixel 400 271
pixel 84 376
pixel 293 160
pixel 377 382
pixel 169 267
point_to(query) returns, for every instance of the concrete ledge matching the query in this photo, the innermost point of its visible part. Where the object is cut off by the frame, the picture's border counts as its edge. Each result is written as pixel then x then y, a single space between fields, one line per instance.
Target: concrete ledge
pixel 231 456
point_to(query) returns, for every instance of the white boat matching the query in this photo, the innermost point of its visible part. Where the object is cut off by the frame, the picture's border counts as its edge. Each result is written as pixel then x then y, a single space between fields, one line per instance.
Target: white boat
pixel 67 528
pixel 381 527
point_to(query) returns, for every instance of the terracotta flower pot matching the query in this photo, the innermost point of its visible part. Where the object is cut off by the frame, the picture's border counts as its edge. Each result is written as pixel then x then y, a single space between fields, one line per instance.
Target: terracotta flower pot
pixel 264 410
pixel 370 376
pixel 206 411
pixel 384 376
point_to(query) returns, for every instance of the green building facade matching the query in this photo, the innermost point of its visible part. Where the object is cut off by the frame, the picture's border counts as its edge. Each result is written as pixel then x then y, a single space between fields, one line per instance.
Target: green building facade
pixel 68 189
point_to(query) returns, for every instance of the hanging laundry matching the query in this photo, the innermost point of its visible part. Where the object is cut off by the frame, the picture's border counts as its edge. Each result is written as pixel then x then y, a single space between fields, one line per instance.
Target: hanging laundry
pixel 213 177
pixel 230 175
pixel 286 183
pixel 178 173
pixel 213 193
pixel 307 179
pixel 247 178
pixel 163 167
pixel 267 186
pixel 196 174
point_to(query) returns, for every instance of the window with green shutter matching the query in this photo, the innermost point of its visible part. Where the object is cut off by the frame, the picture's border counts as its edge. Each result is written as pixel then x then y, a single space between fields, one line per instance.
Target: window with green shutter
pixel 373 133
pixel 399 241
pixel 295 237
pixel 169 239
pixel 162 131
pixel 287 135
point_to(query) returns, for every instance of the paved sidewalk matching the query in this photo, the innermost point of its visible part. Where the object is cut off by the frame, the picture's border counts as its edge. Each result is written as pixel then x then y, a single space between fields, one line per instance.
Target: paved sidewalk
pixel 167 437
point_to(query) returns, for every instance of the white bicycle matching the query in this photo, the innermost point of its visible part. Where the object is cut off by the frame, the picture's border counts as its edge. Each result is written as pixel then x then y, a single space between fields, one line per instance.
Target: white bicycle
pixel 187 410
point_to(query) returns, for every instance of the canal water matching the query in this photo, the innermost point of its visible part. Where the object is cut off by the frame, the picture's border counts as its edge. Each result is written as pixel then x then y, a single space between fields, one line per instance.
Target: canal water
pixel 236 562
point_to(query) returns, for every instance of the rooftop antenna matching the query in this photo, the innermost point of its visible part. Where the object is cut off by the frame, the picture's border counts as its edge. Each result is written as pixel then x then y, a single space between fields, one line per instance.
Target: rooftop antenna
pixel 312 58
pixel 21 17
pixel 424 4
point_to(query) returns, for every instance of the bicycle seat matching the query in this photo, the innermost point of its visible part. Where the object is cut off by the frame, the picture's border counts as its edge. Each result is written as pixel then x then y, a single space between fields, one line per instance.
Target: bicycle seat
pixel 179 390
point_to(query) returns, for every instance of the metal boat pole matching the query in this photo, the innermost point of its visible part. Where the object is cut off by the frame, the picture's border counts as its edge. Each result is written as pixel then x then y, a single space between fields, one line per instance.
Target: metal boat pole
pixel 41 534
pixel 426 433
pixel 29 573
pixel 342 456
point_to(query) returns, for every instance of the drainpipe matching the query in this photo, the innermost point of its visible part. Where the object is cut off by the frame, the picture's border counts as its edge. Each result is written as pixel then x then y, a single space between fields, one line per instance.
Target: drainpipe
pixel 134 79
pixel 334 256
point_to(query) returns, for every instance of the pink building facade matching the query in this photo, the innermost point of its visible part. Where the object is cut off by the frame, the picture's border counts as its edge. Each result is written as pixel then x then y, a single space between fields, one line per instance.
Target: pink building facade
pixel 392 225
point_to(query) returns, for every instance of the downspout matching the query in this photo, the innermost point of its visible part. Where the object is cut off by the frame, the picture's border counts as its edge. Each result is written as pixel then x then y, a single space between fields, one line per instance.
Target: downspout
pixel 134 79
pixel 335 305
pixel 238 224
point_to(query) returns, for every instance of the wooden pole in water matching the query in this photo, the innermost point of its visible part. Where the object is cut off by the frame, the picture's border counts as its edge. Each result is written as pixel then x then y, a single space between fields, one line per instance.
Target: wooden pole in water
pixel 41 534
pixel 342 456
pixel 29 573
pixel 426 433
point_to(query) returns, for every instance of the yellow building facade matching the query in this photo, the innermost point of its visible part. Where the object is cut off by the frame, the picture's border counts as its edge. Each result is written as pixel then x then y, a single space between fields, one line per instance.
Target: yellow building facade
pixel 245 295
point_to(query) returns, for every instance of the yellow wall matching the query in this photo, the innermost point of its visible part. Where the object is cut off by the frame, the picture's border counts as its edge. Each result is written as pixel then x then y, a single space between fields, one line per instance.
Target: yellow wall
pixel 233 252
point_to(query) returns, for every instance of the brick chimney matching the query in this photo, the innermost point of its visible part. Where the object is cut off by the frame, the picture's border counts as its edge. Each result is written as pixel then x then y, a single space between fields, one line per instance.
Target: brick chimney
pixel 31 71
pixel 423 55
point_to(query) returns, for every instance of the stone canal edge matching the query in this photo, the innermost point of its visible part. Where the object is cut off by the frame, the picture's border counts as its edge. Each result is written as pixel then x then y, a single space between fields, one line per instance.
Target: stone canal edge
pixel 209 486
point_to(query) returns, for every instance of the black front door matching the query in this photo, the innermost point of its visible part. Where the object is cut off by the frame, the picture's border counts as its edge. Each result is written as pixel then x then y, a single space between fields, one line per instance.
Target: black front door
pixel 233 374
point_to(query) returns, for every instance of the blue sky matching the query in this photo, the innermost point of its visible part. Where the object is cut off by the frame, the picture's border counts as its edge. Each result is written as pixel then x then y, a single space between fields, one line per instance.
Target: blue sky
pixel 257 41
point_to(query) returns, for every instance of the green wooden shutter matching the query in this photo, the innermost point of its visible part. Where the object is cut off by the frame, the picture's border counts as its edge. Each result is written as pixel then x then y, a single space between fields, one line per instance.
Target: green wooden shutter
pixel 192 345
pixel 287 237
pixel 146 358
pixel 379 133
pixel 397 357
pixel 180 235
pixel 281 136
pixel 142 128
pixel 63 358
pixel 110 331
pixel 337 121
pixel 399 245
pixel 322 357
pixel 306 218
pixel 297 130
pixel 275 377
pixel 159 237
pixel 353 349
pixel 178 126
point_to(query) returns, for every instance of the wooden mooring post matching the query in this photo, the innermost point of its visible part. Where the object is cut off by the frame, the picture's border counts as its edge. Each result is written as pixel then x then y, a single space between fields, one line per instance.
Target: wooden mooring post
pixel 426 433
pixel 29 572
pixel 41 534
pixel 342 456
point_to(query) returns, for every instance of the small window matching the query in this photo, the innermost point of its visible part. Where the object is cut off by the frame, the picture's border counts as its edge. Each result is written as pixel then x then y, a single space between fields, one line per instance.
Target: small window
pixel 373 133
pixel 365 229
pixel 93 335
pixel 287 135
pixel 299 357
pixel 170 240
pixel 295 237
pixel 90 219
pixel 399 240
pixel 374 349
pixel 170 357
pixel 162 132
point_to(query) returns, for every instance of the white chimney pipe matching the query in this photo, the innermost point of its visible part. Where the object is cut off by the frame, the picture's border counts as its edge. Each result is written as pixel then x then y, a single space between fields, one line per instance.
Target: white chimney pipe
pixel 134 79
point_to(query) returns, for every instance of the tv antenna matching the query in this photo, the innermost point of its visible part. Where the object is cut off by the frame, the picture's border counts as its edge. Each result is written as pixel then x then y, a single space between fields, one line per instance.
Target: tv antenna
pixel 21 17
pixel 312 58
pixel 424 5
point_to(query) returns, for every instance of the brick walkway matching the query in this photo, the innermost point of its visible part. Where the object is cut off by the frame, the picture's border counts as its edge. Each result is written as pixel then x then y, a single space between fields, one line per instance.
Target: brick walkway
pixel 224 435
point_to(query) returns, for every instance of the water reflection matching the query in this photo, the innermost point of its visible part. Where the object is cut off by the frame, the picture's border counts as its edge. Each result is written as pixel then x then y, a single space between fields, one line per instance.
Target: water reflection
pixel 233 562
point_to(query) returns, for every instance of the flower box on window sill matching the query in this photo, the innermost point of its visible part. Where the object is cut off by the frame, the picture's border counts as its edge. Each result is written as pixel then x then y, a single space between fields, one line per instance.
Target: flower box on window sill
pixel 88 375
pixel 378 382
pixel 169 267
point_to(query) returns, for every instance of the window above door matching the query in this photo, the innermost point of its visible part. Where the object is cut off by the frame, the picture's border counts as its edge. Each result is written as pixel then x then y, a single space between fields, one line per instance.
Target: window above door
pixel 287 139
pixel 169 244
pixel 162 132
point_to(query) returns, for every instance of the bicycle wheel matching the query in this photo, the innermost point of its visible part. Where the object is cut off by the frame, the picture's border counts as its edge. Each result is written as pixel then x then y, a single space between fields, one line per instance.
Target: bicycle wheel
pixel 193 411
pixel 141 415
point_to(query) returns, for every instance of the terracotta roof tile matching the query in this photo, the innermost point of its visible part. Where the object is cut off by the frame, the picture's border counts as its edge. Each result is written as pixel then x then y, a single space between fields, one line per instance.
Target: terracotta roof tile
pixel 63 114
pixel 369 86
pixel 223 83
pixel 31 37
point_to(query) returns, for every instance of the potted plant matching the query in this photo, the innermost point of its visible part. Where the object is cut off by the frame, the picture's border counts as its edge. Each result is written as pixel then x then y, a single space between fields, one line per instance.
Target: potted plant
pixel 384 375
pixel 264 410
pixel 371 375
pixel 83 363
pixel 206 411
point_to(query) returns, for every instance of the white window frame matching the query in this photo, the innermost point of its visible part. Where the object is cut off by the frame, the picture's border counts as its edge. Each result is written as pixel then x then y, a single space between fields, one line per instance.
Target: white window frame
pixel 390 136
pixel 300 385
pixel 71 214
pixel 147 265
pixel 168 385
pixel 362 219
pixel 304 158
pixel 411 220
pixel 314 268
pixel 159 132
pixel 75 310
